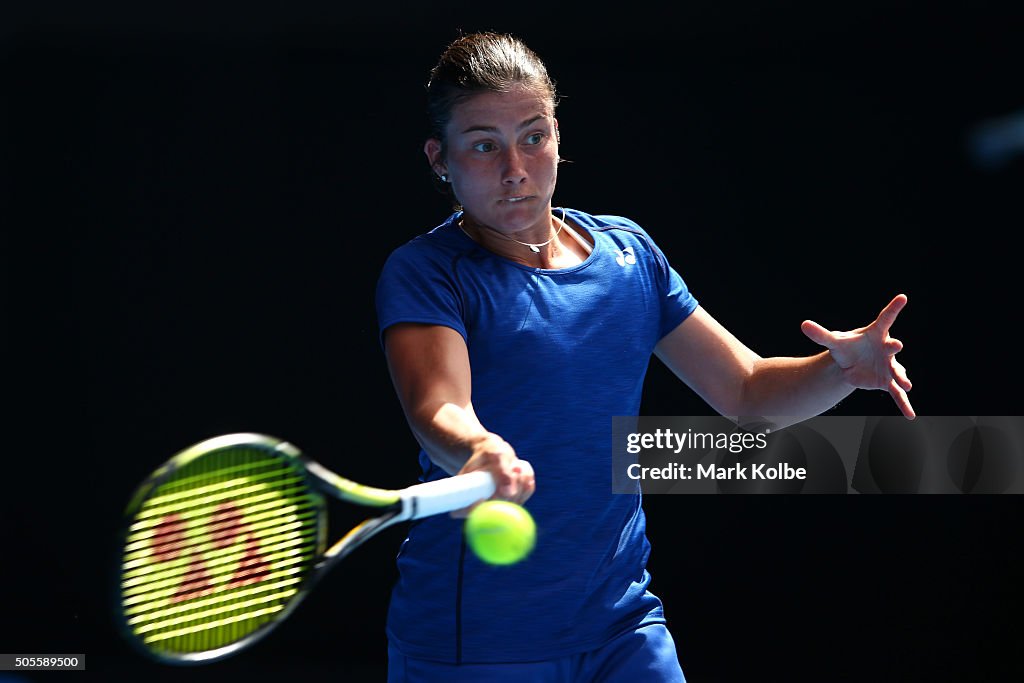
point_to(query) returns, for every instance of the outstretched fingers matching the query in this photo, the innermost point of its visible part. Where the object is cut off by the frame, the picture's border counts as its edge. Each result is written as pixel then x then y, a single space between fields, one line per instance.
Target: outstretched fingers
pixel 888 315
pixel 817 334
pixel 900 396
pixel 900 375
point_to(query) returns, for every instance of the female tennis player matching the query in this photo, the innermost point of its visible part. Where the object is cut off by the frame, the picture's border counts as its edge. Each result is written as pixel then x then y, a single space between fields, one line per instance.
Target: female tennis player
pixel 514 331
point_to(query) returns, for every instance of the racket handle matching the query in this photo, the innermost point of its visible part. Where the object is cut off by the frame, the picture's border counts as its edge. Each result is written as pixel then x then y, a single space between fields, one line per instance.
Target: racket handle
pixel 445 495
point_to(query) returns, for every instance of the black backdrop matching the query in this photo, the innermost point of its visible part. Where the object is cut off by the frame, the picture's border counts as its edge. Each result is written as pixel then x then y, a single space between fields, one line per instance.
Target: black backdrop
pixel 201 202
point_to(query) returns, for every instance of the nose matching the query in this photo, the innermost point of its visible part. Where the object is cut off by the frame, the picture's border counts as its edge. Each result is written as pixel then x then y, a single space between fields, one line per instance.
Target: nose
pixel 514 172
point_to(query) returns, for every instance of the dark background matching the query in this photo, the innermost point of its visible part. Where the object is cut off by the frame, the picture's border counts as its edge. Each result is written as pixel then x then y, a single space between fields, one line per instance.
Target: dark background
pixel 200 202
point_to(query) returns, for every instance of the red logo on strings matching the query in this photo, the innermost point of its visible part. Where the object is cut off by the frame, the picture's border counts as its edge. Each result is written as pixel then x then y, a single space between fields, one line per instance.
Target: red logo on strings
pixel 224 529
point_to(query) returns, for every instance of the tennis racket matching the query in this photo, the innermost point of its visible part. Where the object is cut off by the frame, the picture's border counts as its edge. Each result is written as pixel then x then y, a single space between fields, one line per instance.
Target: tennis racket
pixel 224 540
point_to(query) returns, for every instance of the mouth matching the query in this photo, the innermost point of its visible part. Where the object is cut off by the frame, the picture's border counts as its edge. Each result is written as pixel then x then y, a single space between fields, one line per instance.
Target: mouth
pixel 516 200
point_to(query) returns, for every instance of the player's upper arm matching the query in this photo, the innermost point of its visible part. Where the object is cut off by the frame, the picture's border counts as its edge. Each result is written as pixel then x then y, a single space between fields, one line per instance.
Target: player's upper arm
pixel 709 359
pixel 429 365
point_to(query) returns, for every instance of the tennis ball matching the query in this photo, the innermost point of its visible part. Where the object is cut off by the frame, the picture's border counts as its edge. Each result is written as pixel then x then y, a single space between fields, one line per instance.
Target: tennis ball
pixel 500 532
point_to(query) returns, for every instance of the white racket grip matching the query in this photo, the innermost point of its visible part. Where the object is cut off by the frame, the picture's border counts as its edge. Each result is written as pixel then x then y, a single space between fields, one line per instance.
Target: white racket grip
pixel 445 495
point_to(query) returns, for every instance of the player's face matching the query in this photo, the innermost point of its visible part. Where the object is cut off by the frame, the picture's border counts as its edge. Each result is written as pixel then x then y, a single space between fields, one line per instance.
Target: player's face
pixel 502 159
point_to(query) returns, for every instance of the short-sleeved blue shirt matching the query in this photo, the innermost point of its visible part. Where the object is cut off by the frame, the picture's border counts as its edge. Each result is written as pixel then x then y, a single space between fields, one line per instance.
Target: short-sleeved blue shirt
pixel 555 354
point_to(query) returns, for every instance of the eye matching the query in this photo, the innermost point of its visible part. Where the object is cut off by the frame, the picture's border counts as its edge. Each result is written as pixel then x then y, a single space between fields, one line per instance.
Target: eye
pixel 484 146
pixel 535 138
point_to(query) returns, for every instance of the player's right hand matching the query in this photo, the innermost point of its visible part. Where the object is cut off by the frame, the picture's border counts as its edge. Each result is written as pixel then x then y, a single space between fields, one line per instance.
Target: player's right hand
pixel 513 478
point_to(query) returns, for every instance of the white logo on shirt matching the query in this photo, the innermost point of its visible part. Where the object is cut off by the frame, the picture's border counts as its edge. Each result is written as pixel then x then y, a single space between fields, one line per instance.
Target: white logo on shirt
pixel 625 256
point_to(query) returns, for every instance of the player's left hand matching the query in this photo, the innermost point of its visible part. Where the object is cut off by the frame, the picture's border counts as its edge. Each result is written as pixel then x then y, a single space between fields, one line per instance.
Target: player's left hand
pixel 867 355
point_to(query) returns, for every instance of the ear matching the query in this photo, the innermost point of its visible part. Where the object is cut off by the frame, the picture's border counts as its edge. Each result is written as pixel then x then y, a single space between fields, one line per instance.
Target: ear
pixel 558 135
pixel 432 148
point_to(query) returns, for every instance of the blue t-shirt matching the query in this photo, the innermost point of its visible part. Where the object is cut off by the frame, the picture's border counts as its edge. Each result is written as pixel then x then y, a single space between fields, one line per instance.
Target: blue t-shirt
pixel 555 354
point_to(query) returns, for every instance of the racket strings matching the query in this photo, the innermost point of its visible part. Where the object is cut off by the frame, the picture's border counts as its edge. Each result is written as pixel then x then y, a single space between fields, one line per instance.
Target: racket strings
pixel 219 549
pixel 172 533
pixel 140 588
pixel 195 502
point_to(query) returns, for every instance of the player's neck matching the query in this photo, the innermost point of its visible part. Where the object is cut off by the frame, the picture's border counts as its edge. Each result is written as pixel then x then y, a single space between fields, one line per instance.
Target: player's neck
pixel 557 251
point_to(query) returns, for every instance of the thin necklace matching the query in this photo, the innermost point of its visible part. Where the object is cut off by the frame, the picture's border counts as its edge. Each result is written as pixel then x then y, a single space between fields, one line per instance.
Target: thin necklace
pixel 535 248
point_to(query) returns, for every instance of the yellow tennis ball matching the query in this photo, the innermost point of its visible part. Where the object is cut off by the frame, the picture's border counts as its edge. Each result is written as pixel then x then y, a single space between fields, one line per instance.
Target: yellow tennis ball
pixel 500 532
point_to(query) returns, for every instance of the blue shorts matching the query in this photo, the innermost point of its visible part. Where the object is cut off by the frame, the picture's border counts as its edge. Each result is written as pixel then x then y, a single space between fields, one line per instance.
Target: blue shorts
pixel 646 654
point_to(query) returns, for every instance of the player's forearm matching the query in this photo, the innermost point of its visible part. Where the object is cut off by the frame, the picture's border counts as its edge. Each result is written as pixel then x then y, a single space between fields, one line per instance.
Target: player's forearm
pixel 787 390
pixel 447 432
